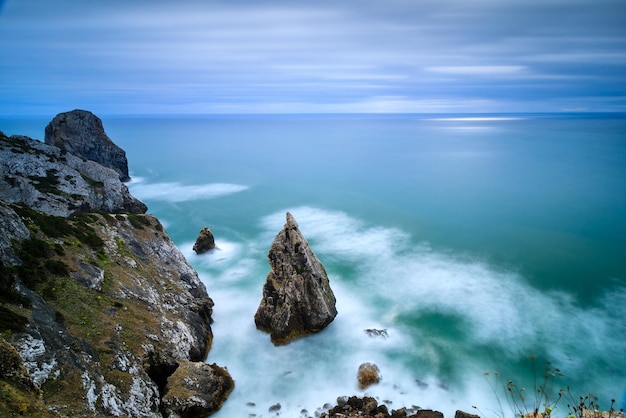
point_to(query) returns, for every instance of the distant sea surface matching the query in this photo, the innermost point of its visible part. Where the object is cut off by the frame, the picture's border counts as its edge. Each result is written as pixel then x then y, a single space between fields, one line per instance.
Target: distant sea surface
pixel 476 242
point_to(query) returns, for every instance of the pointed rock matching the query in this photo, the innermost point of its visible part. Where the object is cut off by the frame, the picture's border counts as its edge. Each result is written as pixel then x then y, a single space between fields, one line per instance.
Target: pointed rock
pixel 297 298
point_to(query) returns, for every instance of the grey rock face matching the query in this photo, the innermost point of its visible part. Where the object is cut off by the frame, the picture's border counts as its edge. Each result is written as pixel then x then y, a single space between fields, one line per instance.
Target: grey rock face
pixel 58 183
pixel 297 298
pixel 11 229
pixel 81 133
pixel 196 389
pixel 205 241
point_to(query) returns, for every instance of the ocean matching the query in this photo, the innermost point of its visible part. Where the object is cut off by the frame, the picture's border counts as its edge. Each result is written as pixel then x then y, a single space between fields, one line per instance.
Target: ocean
pixel 486 246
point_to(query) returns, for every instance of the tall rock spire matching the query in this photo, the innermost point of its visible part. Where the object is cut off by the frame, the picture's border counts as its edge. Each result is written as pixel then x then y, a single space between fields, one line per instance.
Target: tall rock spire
pixel 297 298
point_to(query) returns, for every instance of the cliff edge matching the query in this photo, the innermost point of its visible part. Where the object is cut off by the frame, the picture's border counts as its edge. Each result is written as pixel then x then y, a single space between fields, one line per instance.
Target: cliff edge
pixel 98 307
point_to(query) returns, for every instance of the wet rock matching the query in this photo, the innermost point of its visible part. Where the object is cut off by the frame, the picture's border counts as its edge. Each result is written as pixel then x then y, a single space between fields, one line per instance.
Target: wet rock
pixel 366 407
pixel 205 241
pixel 297 298
pixel 368 375
pixel 196 389
pixel 81 133
pixel 462 414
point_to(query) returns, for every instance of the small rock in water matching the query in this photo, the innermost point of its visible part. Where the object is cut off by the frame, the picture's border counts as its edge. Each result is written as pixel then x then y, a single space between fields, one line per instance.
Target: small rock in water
pixel 205 241
pixel 369 374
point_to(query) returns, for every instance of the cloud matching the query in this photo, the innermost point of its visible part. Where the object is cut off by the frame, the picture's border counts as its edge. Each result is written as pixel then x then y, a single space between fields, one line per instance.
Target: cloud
pixel 176 192
pixel 478 69
pixel 240 55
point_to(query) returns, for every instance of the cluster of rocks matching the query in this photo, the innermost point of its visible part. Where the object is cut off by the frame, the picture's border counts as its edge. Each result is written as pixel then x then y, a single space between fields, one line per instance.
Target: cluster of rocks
pixel 368 407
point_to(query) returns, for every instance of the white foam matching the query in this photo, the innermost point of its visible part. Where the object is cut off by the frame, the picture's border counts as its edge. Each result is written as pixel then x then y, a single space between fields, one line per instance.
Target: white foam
pixel 390 278
pixel 176 192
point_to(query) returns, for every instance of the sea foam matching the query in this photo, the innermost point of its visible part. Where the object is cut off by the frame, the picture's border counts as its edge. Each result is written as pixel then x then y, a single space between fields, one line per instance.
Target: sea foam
pixel 485 318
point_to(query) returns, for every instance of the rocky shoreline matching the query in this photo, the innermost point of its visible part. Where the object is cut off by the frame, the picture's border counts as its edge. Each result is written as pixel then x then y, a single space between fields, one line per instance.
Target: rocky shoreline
pixel 101 315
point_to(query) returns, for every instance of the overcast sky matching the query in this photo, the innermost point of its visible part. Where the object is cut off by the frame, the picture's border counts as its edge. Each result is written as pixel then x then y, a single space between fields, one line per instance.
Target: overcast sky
pixel 238 56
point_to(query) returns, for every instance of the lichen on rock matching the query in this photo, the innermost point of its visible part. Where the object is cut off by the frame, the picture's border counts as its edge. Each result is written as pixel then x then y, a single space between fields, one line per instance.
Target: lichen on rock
pixel 297 298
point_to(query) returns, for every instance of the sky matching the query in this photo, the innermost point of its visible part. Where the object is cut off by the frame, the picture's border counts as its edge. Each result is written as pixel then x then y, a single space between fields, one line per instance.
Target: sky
pixel 325 56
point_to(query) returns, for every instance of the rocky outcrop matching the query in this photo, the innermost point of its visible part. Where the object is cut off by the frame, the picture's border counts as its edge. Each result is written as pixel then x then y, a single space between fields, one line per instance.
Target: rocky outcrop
pixel 205 241
pixel 101 308
pixel 368 375
pixel 81 133
pixel 368 407
pixel 297 298
pixel 196 390
pixel 51 180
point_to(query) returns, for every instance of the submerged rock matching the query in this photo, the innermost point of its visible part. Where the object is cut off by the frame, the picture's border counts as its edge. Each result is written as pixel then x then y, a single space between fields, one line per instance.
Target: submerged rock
pixel 196 389
pixel 297 298
pixel 205 241
pixel 81 133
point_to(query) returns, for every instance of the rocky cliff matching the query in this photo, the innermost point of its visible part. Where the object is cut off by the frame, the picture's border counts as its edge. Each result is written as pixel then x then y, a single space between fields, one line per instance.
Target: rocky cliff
pixel 54 181
pixel 98 307
pixel 297 298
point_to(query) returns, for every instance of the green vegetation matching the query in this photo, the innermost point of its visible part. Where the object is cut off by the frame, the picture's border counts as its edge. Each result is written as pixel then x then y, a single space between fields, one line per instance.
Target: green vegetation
pixel 47 184
pixel 545 397
pixel 138 221
pixel 18 402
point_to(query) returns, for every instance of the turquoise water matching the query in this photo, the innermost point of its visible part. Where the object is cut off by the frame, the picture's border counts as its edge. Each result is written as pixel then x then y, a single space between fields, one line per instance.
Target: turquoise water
pixel 475 241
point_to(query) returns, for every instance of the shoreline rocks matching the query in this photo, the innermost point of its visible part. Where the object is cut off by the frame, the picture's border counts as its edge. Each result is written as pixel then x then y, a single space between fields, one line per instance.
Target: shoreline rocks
pixel 297 298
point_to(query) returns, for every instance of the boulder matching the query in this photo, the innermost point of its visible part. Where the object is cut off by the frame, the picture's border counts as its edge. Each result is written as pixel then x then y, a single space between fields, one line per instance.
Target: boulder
pixel 297 298
pixel 196 389
pixel 368 375
pixel 81 133
pixel 205 241
pixel 463 414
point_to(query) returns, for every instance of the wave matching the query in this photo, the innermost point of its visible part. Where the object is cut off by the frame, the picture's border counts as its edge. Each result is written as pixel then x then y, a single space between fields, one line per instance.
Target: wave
pixel 485 317
pixel 176 192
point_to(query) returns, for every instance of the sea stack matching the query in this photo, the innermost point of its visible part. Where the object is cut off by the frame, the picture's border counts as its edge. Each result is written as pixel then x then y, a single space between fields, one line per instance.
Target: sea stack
pixel 297 298
pixel 81 133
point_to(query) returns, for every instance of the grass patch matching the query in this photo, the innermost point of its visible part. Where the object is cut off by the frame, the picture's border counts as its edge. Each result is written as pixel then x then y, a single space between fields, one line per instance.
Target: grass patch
pixel 11 321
